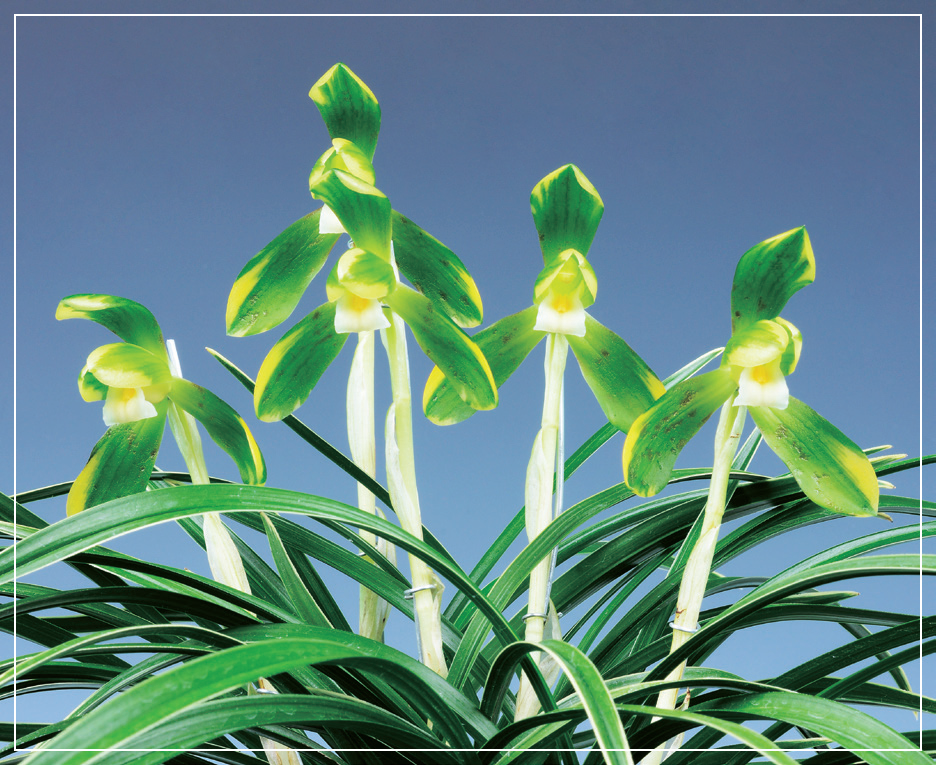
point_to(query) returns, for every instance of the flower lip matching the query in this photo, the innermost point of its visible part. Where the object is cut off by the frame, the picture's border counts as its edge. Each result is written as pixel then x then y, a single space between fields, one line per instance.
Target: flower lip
pixel 763 385
pixel 561 313
pixel 126 405
pixel 357 314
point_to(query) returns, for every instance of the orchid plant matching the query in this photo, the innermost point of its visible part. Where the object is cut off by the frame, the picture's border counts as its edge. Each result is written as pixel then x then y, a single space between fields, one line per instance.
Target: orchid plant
pixel 365 295
pixel 763 350
pixel 566 210
pixel 141 383
pixel 263 663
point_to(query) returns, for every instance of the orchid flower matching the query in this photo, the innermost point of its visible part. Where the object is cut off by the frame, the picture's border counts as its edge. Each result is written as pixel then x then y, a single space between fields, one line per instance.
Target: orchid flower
pixel 135 380
pixel 566 210
pixel 365 294
pixel 762 352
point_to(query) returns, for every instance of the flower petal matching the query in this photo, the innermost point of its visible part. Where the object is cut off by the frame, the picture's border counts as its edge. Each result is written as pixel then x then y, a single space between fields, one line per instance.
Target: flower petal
pixel 225 426
pixel 343 155
pixel 655 439
pixel 120 463
pixel 365 274
pixel 763 385
pixel 356 314
pixel 329 223
pixel 768 275
pixel 349 107
pixel 830 469
pixel 435 271
pixel 127 319
pixel 124 365
pixel 566 210
pixel 561 314
pixel 505 344
pixel 448 346
pixel 756 344
pixel 623 384
pixel 364 211
pixel 268 288
pixel 294 365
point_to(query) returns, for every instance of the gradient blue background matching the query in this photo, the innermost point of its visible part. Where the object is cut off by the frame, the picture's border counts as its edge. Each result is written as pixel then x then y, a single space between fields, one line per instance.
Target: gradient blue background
pixel 156 155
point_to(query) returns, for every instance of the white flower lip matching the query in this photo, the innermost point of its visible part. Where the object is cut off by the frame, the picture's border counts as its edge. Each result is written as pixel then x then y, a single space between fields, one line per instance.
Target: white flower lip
pixel 563 315
pixel 763 386
pixel 329 223
pixel 355 314
pixel 126 405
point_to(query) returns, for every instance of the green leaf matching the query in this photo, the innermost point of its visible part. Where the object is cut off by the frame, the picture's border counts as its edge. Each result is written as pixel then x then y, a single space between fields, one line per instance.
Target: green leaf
pixel 363 210
pixel 127 319
pixel 623 384
pixel 448 346
pixel 348 107
pixel 225 426
pixel 830 469
pixel 566 210
pixel 120 463
pixel 654 441
pixel 768 275
pixel 268 288
pixel 303 602
pixel 294 365
pixel 436 271
pixel 150 703
pixel 505 344
pixel 851 729
pixel 124 365
pixel 587 682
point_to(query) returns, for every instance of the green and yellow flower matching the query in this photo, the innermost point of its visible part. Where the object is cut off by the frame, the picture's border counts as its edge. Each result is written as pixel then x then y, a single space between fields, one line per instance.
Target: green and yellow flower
pixel 136 381
pixel 566 210
pixel 763 351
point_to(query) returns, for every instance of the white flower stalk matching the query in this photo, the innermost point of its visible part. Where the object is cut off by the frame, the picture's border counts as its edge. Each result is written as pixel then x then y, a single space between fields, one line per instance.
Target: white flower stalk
pixel 527 702
pixel 696 573
pixel 401 482
pixel 224 560
pixel 276 753
pixel 360 412
pixel 539 497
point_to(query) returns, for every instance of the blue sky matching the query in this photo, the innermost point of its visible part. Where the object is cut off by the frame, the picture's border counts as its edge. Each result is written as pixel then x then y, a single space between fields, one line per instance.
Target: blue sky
pixel 156 155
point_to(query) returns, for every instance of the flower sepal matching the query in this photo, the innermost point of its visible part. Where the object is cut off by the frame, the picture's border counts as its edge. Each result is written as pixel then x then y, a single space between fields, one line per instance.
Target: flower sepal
pixel 768 275
pixel 348 107
pixel 830 469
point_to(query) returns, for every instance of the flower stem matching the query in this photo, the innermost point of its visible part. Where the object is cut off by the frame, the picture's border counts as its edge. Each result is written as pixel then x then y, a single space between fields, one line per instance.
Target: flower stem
pixel 699 565
pixel 224 560
pixel 360 412
pixel 540 512
pixel 401 480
